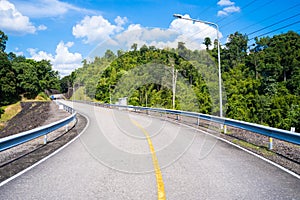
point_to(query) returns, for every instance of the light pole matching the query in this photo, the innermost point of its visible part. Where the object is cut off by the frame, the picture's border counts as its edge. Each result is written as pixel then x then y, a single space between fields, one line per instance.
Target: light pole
pixel 219 57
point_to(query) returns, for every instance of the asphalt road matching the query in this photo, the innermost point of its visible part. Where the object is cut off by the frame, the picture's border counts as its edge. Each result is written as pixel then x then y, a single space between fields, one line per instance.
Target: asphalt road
pixel 121 154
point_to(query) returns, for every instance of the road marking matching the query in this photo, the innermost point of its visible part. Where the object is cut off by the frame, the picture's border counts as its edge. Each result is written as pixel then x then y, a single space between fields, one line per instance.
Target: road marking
pixel 159 180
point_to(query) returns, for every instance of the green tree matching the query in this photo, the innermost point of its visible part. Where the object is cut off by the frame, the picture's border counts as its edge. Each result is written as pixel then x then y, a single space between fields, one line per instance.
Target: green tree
pixel 21 76
pixel 27 80
pixel 67 81
pixel 262 84
pixel 7 81
pixel 207 42
pixel 3 39
pixel 109 55
pixel 236 48
pixel 134 46
pixel 8 91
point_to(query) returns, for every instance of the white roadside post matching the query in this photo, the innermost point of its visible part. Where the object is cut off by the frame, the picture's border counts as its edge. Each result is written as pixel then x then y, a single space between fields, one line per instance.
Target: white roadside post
pixel 270 143
pixel 45 139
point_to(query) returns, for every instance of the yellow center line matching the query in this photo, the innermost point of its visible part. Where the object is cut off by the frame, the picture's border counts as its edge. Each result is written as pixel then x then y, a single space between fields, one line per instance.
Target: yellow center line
pixel 159 180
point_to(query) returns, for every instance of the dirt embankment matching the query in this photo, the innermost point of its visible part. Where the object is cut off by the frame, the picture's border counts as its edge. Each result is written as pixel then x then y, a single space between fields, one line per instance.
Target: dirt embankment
pixel 35 114
pixel 32 115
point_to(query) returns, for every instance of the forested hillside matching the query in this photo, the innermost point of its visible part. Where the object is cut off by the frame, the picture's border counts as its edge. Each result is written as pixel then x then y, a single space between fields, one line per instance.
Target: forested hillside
pixel 21 76
pixel 262 84
pixel 261 81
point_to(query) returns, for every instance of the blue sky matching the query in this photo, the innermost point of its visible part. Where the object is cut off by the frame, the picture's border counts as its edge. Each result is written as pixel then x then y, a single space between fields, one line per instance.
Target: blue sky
pixel 66 32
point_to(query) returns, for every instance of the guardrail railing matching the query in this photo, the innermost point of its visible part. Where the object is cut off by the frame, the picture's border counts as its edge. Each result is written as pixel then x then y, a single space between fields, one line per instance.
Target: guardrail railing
pixel 20 138
pixel 280 134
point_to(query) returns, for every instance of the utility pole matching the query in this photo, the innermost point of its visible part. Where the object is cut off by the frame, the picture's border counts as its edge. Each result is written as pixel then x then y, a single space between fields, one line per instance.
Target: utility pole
pixel 174 80
pixel 109 88
pixel 146 98
pixel 109 95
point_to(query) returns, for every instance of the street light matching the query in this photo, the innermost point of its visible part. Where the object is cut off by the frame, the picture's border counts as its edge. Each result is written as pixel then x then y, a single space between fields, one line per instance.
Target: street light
pixel 219 57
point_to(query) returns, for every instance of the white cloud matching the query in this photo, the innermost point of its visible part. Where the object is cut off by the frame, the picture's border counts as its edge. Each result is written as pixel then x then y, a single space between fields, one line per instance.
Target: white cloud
pixel 63 61
pixel 63 56
pixel 228 10
pixel 121 21
pixel 41 27
pixel 232 9
pixel 222 13
pixel 96 28
pixel 229 7
pixel 225 3
pixel 40 55
pixel 192 34
pixel 47 8
pixel 11 20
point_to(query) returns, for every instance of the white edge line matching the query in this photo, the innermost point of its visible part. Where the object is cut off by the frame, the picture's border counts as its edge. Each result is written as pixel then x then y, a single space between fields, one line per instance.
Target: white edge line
pixel 237 146
pixel 47 157
pixel 246 150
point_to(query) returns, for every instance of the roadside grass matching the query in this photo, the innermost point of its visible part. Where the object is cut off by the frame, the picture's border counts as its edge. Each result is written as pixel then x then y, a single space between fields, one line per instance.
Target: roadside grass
pixel 247 145
pixel 42 97
pixel 10 111
pixel 218 129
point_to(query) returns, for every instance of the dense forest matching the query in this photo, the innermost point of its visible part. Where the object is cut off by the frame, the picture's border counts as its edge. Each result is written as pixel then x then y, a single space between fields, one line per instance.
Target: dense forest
pixel 23 77
pixel 261 81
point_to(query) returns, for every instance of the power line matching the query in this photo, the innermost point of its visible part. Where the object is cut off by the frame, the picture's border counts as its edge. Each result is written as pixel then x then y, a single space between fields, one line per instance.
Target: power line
pixel 206 9
pixel 276 14
pixel 273 24
pixel 269 2
pixel 276 29
pixel 247 5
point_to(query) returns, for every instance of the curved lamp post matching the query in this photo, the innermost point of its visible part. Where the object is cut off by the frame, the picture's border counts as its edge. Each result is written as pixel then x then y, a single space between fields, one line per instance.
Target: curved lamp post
pixel 219 57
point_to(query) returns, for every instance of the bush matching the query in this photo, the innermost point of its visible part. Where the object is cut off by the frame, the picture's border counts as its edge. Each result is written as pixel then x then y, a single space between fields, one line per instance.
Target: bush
pixel 1 111
pixel 42 96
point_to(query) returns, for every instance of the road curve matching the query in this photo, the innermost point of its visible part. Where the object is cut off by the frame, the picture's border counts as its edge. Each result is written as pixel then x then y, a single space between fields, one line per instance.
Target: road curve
pixel 120 154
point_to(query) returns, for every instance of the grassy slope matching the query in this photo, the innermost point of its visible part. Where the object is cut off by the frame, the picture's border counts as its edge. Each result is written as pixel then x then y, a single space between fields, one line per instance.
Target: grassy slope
pixel 10 112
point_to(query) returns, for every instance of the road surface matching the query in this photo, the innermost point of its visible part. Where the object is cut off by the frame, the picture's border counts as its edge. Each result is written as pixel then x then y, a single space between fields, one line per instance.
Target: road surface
pixel 125 155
